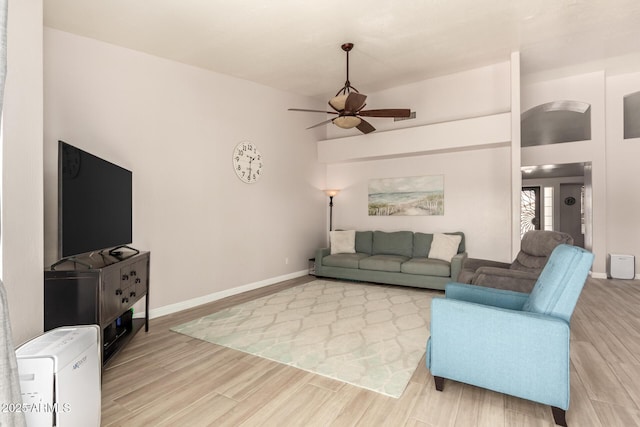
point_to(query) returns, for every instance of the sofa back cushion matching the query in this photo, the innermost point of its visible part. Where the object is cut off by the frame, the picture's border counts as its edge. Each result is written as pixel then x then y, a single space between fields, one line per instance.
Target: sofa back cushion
pixel 364 242
pixel 422 243
pixel 394 243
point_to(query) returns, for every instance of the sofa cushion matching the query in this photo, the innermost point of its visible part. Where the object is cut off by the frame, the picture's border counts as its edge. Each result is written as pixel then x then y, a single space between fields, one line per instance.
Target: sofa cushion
pixel 364 242
pixel 427 267
pixel 343 260
pixel 444 246
pixel 343 242
pixel 383 262
pixel 395 243
pixel 421 244
pixel 462 246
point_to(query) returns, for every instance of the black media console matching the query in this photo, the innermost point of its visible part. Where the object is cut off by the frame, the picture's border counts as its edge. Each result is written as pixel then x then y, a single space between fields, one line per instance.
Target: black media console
pixel 99 289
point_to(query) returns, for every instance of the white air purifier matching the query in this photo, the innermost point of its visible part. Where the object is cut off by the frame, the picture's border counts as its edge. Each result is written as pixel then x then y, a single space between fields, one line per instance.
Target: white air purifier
pixel 60 373
pixel 621 266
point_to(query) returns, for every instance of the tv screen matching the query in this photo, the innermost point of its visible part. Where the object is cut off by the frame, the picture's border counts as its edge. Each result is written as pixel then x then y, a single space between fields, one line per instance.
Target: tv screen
pixel 94 202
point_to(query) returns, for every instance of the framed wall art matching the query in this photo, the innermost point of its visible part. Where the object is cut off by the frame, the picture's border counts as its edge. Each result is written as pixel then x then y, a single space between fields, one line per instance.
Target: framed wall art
pixel 409 196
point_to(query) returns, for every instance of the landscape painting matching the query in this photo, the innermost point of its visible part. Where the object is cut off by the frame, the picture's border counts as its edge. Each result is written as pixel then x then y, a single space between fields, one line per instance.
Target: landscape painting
pixel 417 195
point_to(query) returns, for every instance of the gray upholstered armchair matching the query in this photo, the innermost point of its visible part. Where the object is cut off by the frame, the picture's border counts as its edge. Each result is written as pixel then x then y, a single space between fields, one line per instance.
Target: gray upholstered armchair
pixel 522 273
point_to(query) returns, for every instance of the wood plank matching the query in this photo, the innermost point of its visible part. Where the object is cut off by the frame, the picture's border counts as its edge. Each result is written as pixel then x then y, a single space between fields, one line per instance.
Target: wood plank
pixel 629 376
pixel 295 409
pixel 480 406
pixel 614 415
pixel 581 411
pixel 209 407
pixel 600 382
pixel 281 386
pixel 347 407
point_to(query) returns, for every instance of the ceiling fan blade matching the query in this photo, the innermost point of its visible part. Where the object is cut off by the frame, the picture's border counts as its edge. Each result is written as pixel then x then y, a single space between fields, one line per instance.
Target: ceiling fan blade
pixel 387 112
pixel 312 111
pixel 365 127
pixel 320 124
pixel 354 102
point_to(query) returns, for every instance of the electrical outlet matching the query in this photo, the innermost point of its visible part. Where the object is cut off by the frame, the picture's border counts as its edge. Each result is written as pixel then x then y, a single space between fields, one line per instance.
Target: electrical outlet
pixel 286 260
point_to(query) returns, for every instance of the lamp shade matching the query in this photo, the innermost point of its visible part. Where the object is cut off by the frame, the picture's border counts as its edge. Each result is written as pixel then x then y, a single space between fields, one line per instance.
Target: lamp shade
pixel 347 122
pixel 331 193
pixel 338 102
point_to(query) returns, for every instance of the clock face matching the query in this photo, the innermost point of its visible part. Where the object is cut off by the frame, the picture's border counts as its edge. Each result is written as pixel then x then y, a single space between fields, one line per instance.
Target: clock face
pixel 247 162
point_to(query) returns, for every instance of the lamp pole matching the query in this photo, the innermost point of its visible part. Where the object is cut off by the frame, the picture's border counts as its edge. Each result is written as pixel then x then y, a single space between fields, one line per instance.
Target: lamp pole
pixel 331 193
pixel 330 213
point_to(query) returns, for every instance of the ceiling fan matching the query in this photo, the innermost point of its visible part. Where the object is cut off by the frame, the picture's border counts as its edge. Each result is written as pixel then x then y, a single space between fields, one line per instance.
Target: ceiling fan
pixel 348 104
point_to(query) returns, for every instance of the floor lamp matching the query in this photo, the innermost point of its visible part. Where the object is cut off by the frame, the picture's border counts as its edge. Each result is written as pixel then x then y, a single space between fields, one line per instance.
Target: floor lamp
pixel 331 193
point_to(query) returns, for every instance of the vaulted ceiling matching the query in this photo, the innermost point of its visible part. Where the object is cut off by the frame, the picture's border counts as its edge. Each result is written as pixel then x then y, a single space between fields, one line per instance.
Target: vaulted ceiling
pixel 295 45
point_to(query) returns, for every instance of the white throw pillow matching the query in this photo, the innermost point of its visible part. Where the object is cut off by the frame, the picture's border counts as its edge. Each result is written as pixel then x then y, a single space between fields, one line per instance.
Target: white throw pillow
pixel 444 246
pixel 343 242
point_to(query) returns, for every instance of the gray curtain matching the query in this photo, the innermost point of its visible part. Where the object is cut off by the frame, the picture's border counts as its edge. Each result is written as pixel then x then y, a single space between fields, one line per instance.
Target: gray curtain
pixel 9 380
pixel 3 48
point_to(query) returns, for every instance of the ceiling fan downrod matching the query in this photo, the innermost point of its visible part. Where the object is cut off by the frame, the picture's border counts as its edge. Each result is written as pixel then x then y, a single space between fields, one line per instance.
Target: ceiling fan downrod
pixel 347 85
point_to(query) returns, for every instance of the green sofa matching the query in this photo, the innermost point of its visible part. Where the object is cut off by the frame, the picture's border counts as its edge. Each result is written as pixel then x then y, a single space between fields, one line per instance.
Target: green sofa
pixel 396 258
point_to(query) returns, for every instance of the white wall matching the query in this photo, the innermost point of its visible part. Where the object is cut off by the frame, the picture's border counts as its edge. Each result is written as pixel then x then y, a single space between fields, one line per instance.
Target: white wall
pixel 477 197
pixel 479 92
pixel 623 180
pixel 477 180
pixel 175 127
pixel 22 170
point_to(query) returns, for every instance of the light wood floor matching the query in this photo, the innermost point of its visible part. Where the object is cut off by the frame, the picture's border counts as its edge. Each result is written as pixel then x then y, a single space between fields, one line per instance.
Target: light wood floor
pixel 167 379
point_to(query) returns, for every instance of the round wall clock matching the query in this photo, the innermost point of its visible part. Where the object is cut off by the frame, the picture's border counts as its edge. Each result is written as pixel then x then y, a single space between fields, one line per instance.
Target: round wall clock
pixel 247 162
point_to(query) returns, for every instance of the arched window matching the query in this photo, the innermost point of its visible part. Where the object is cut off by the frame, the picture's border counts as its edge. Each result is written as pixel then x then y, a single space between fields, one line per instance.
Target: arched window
pixel 556 122
pixel 631 105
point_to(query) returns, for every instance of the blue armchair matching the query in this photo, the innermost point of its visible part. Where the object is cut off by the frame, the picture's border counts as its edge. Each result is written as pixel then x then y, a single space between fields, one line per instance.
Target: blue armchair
pixel 511 342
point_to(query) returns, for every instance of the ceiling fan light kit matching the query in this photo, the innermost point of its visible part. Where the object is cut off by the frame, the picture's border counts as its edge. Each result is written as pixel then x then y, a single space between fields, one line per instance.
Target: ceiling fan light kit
pixel 348 104
pixel 338 102
pixel 347 122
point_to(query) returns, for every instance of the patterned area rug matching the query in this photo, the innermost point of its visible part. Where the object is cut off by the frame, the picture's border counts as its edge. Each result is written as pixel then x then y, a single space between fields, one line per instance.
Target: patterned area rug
pixel 371 336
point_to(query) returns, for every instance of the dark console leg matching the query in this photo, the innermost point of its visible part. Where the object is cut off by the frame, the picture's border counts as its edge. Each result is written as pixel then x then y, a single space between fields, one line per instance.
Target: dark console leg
pixel 439 383
pixel 559 416
pixel 146 312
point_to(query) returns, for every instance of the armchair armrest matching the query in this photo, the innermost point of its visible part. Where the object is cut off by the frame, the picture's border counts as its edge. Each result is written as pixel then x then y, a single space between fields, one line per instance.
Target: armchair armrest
pixel 321 253
pixel 457 262
pixel 502 278
pixel 518 353
pixel 476 263
pixel 486 296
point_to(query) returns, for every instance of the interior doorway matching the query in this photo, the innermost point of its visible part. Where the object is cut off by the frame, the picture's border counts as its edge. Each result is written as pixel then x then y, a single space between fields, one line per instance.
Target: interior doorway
pixel 561 202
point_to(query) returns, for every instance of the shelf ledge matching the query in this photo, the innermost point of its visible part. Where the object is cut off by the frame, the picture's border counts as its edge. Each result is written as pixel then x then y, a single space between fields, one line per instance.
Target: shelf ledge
pixel 465 134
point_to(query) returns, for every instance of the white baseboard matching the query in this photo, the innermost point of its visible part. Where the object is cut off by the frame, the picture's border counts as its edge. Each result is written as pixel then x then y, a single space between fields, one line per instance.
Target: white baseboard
pixel 604 276
pixel 194 302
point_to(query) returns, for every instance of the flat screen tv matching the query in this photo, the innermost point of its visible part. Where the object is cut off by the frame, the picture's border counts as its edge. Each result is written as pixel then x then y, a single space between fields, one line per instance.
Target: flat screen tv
pixel 94 203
